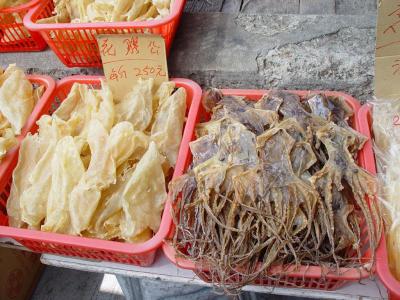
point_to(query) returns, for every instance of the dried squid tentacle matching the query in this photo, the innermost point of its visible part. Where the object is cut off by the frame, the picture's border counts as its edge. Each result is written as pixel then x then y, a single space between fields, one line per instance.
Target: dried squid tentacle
pixel 341 166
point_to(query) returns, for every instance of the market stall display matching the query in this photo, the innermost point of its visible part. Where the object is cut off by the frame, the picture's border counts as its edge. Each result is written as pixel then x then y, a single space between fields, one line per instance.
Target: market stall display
pixel 75 43
pixel 387 266
pixel 99 11
pixel 86 167
pixel 256 188
pixel 13 34
pixel 273 190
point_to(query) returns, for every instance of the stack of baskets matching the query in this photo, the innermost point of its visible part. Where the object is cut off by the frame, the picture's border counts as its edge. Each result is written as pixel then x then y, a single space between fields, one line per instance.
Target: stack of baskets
pixel 75 45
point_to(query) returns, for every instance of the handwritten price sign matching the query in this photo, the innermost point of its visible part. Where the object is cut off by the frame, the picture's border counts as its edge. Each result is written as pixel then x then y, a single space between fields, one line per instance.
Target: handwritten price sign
pixel 128 57
pixel 387 73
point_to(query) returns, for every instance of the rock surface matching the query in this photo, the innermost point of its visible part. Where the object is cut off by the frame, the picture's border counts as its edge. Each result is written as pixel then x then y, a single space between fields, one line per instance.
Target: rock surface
pixel 278 51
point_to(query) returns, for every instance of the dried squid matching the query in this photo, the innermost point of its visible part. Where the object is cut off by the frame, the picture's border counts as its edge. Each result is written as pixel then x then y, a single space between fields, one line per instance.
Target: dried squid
pixel 273 183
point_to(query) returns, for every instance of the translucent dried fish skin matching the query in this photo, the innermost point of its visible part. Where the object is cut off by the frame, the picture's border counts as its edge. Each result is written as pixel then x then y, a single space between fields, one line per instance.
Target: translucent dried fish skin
pixel 87 153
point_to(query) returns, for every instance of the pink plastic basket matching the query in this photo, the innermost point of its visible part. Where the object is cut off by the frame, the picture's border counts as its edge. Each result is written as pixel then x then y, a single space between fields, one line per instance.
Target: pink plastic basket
pixel 142 254
pixel 382 264
pixel 14 36
pixel 313 277
pixel 75 43
pixel 9 161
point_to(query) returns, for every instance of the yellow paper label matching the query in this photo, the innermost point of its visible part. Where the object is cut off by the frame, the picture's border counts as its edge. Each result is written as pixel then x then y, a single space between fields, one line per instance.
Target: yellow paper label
pixel 128 57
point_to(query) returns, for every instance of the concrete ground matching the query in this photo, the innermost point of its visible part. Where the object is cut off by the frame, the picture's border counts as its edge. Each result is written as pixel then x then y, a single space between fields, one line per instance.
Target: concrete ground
pixel 294 44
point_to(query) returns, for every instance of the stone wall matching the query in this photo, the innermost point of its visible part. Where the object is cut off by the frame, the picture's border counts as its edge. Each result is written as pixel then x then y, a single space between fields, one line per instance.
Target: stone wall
pixel 262 44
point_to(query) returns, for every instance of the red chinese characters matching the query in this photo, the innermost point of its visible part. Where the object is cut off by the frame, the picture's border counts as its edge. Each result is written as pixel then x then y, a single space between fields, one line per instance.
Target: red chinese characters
pixel 132 45
pixel 154 48
pixel 393 28
pixel 107 48
pixel 118 73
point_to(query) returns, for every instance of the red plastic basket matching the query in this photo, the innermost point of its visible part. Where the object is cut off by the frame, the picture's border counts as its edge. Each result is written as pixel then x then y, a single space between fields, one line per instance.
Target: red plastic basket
pixel 313 277
pixel 75 43
pixel 14 36
pixel 142 254
pixel 382 264
pixel 10 159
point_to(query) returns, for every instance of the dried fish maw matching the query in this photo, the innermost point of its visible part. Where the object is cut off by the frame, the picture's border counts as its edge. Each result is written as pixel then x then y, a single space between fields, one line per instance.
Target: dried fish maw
pixel 4 124
pixel 109 206
pixel 121 143
pixel 121 7
pixel 162 94
pixel 143 200
pixel 162 6
pixel 135 10
pixel 7 141
pixel 16 98
pixel 98 12
pixel 100 174
pixel 128 151
pixel 150 13
pixel 137 106
pixel 73 102
pixel 385 134
pixel 167 128
pixel 12 68
pixel 101 171
pixel 28 157
pixel 106 109
pixel 52 128
pixel 34 199
pixel 141 142
pixel 38 93
pixel 142 237
pixel 66 170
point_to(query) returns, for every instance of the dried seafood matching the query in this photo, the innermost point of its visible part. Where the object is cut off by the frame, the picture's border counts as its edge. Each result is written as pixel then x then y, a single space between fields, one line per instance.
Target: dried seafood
pixel 18 96
pixel 98 167
pixel 88 11
pixel 274 183
pixel 387 153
